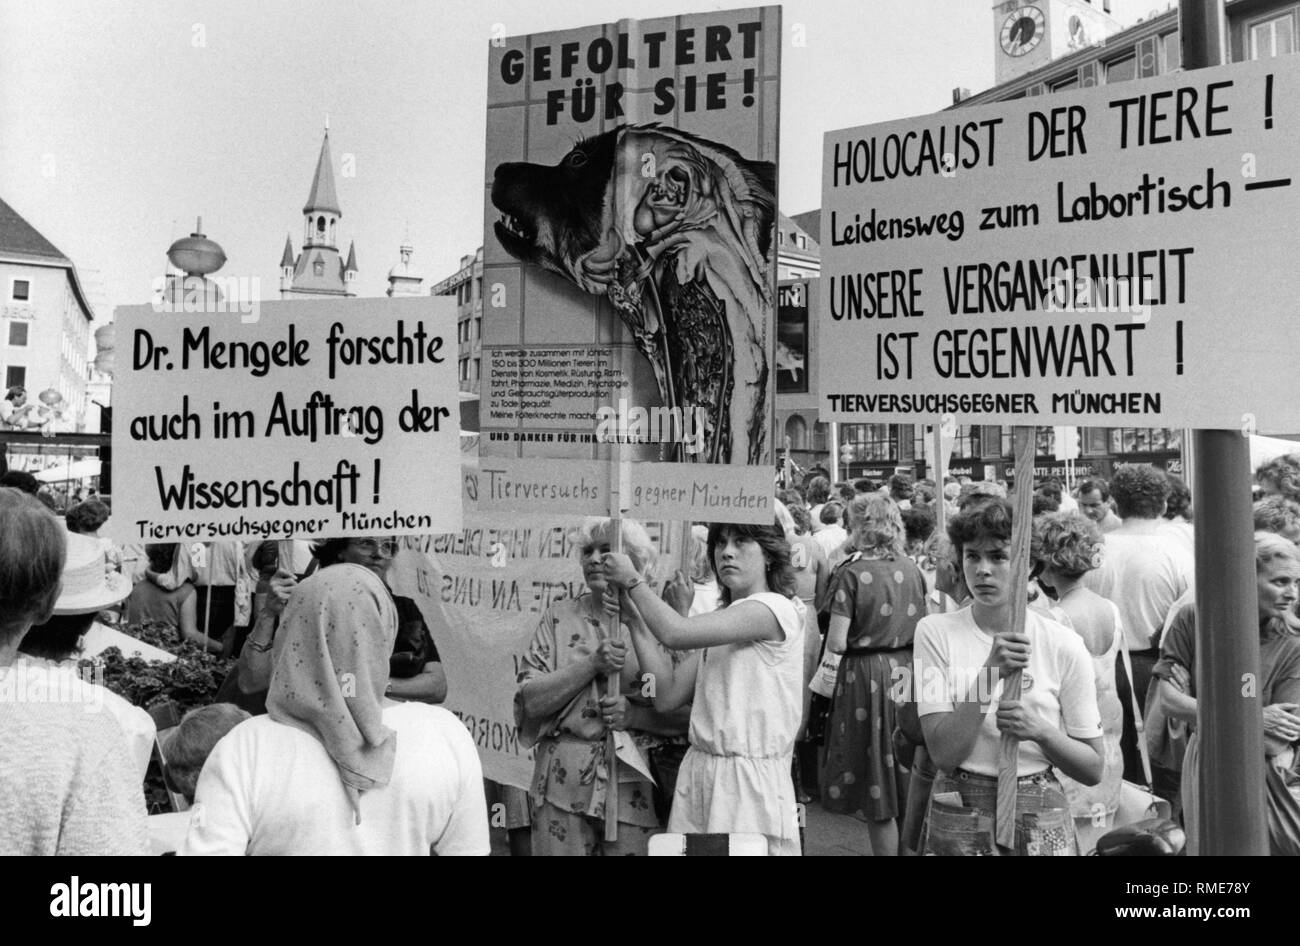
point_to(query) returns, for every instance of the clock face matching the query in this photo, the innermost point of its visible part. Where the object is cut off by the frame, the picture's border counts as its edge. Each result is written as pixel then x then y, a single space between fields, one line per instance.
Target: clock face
pixel 1022 31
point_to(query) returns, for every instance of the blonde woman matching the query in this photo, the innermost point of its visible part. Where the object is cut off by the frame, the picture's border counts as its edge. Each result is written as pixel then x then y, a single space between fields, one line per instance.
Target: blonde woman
pixel 876 601
pixel 564 714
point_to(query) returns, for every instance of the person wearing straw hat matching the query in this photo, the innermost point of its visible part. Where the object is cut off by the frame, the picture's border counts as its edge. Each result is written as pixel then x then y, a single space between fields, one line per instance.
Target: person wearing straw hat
pixel 65 785
pixel 52 648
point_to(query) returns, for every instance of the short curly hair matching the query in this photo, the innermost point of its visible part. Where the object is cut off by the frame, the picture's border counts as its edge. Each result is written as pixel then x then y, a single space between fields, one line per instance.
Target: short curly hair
pixel 918 523
pixel 1140 490
pixel 988 519
pixel 1180 499
pixel 1277 514
pixel 1094 484
pixel 875 524
pixel 1281 475
pixel 636 542
pixel 87 516
pixel 981 490
pixel 817 491
pixel 1068 542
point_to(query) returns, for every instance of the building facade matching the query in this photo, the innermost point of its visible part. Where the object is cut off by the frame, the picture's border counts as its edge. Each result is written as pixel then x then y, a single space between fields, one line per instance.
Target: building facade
pixel 1043 47
pixel 44 320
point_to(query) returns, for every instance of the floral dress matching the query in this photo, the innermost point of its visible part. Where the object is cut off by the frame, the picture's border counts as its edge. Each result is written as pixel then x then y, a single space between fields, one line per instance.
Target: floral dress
pixel 571 772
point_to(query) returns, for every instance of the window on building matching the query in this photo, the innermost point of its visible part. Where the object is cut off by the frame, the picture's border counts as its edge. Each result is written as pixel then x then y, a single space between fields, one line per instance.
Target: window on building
pixel 1145 439
pixel 478 326
pixel 464 369
pixel 967 444
pixel 780 237
pixel 21 291
pixel 821 436
pixel 1171 52
pixel 1096 441
pixel 871 442
pixel 1275 37
pixel 1064 85
pixel 477 364
pixel 15 376
pixel 796 432
pixel 1044 441
pixel 1121 70
pixel 18 334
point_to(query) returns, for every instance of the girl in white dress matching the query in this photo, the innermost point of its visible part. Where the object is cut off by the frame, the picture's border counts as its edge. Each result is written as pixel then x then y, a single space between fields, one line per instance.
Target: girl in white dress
pixel 745 678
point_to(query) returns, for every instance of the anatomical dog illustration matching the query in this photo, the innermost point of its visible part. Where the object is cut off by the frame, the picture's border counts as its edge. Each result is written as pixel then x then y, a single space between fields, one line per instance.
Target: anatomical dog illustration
pixel 676 232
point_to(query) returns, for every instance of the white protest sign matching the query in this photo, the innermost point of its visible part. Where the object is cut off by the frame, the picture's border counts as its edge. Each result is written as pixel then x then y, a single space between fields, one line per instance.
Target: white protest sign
pixel 1118 256
pixel 482 591
pixel 629 252
pixel 322 418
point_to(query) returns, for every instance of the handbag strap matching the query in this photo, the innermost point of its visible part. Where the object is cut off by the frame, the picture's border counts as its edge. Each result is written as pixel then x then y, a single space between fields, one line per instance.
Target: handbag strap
pixel 1138 723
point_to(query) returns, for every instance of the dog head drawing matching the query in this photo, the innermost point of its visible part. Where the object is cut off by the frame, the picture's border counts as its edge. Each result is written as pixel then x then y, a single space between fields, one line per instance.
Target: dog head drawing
pixel 666 225
pixel 638 185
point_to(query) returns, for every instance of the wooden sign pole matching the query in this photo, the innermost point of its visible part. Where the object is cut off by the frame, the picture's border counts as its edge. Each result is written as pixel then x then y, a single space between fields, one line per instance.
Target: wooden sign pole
pixel 619 486
pixel 1021 531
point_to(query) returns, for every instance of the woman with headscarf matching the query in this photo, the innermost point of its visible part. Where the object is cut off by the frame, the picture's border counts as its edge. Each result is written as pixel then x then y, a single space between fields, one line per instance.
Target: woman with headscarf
pixel 335 767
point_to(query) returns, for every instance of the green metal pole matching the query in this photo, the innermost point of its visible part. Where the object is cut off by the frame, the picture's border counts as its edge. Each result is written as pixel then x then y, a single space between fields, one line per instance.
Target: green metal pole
pixel 1229 721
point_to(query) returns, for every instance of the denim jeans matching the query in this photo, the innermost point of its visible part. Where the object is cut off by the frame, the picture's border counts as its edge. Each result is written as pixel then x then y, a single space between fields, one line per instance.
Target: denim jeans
pixel 1044 826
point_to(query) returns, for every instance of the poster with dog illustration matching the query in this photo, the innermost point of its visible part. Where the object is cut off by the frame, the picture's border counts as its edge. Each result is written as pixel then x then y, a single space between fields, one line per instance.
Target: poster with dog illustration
pixel 629 248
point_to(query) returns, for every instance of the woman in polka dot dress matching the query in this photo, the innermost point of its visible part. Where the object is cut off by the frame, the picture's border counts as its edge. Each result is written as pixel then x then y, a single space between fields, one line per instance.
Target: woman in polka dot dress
pixel 876 601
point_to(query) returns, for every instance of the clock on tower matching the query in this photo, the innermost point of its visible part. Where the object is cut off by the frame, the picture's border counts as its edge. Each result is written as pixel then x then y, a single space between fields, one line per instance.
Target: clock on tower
pixel 1031 33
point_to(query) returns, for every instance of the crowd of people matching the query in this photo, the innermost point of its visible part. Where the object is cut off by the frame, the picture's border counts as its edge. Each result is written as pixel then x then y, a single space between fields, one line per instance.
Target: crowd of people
pixel 852 653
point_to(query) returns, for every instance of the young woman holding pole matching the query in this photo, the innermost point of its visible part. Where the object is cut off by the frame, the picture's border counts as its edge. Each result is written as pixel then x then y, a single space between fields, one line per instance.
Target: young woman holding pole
pixel 960 660
pixel 745 680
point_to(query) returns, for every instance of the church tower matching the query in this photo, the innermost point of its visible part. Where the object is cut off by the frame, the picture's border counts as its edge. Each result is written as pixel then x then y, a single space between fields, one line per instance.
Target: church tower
pixel 1031 33
pixel 404 279
pixel 319 270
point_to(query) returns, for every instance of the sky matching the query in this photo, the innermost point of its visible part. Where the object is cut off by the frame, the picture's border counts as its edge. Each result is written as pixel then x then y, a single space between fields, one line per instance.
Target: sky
pixel 122 123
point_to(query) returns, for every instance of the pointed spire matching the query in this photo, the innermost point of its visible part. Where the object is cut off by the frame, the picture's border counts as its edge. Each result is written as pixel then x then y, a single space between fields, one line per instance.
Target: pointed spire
pixel 351 265
pixel 286 258
pixel 322 196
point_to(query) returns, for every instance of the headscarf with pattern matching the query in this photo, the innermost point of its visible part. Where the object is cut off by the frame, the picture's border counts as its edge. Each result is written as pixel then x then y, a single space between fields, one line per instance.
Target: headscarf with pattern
pixel 330 671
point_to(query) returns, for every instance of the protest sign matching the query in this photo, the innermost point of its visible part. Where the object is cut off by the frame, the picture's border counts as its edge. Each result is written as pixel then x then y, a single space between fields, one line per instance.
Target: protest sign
pixel 482 591
pixel 1094 257
pixel 323 418
pixel 629 278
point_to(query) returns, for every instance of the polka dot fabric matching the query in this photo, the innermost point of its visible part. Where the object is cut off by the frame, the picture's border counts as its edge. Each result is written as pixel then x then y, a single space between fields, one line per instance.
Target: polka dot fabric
pixel 883 600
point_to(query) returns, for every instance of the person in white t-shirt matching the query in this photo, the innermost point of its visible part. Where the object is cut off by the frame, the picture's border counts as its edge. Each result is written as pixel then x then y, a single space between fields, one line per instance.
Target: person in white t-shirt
pixel 833 535
pixel 745 688
pixel 1144 570
pixel 335 768
pixel 960 661
pixel 51 650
